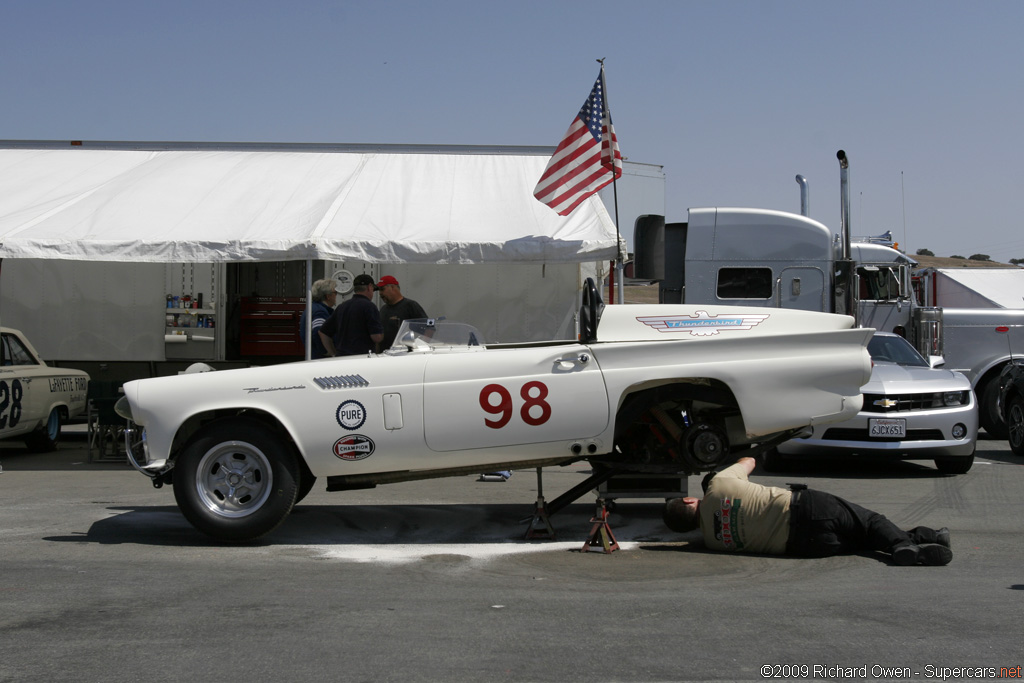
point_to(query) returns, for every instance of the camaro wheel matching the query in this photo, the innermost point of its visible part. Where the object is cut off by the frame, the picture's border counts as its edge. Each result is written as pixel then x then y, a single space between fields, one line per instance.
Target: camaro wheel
pixel 959 465
pixel 1015 425
pixel 236 480
pixel 988 410
pixel 45 439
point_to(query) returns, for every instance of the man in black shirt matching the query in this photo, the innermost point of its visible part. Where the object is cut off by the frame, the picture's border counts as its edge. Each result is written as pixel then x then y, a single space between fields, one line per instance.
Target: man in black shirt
pixel 395 309
pixel 355 325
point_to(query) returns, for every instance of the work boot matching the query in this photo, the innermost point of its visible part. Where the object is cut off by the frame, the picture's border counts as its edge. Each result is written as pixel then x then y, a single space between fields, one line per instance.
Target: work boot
pixel 942 537
pixel 934 554
pixel 928 554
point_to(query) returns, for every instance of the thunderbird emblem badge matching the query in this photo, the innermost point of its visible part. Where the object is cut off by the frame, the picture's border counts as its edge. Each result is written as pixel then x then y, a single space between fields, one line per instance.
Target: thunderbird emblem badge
pixel 702 324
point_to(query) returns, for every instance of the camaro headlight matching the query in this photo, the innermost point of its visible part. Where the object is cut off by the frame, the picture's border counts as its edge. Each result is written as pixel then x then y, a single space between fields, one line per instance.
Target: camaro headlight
pixel 955 398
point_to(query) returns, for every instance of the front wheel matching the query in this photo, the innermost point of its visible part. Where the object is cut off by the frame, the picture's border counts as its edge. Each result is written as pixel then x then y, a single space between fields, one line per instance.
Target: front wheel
pixel 988 410
pixel 1015 425
pixel 961 465
pixel 236 480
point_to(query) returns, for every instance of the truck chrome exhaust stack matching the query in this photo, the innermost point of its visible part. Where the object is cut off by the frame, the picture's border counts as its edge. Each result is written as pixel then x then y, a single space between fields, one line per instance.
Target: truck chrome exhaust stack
pixel 805 196
pixel 844 202
pixel 845 282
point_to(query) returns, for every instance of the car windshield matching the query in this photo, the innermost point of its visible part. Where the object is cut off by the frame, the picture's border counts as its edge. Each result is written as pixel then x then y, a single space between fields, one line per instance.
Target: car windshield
pixel 890 349
pixel 435 333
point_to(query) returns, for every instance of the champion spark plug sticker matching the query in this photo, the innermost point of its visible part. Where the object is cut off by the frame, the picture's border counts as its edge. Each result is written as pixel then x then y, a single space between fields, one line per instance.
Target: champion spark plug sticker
pixel 354 447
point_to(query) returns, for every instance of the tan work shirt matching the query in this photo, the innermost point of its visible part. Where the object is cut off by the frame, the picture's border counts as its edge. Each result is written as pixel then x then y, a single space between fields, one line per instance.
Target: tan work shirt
pixel 741 516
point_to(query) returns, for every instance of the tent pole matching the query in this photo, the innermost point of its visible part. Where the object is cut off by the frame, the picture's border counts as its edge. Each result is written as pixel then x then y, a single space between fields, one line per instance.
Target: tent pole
pixel 309 308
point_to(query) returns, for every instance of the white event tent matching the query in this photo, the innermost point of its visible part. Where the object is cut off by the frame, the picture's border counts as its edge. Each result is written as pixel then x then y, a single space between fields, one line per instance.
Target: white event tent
pixel 199 202
pixel 180 203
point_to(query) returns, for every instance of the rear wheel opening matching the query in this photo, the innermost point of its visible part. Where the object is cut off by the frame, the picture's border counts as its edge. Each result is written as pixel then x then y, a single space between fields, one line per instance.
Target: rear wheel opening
pixel 46 439
pixel 674 428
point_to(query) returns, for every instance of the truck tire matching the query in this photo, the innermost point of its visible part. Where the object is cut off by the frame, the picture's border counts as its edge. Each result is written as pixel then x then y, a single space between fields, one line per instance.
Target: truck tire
pixel 45 439
pixel 988 410
pixel 236 480
pixel 1015 426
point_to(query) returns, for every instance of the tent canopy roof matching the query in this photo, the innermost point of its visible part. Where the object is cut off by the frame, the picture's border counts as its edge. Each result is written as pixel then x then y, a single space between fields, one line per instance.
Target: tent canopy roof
pixel 202 202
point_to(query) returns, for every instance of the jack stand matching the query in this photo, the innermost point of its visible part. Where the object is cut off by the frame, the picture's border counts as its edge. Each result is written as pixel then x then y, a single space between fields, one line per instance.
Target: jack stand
pixel 601 537
pixel 540 526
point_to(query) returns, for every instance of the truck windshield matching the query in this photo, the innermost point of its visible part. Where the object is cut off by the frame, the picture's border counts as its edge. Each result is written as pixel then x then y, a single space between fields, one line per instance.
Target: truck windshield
pixel 878 283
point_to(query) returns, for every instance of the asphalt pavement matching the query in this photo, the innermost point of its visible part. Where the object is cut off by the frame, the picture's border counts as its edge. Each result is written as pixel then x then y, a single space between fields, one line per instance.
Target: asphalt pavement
pixel 102 579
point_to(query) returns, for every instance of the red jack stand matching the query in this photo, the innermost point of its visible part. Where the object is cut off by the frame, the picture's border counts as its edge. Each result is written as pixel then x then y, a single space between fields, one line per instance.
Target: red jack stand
pixel 601 537
pixel 540 526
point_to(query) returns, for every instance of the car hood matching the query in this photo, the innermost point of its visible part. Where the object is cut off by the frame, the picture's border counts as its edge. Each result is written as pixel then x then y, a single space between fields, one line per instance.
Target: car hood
pixel 890 378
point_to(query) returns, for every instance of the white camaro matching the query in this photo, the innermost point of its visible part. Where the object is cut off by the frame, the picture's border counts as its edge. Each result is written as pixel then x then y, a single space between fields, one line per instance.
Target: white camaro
pixel 655 389
pixel 36 399
pixel 912 411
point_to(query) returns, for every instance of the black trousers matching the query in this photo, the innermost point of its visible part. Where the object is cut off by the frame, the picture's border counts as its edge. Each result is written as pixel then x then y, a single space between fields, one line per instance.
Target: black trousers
pixel 822 524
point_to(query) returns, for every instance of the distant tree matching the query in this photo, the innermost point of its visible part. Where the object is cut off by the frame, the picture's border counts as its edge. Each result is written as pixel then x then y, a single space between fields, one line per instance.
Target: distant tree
pixel 959 257
pixel 980 257
pixel 925 252
pixel 1017 261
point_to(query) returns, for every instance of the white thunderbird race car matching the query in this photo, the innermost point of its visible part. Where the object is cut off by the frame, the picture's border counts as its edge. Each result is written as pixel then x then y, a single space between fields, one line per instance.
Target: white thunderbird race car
pixel 658 388
pixel 36 399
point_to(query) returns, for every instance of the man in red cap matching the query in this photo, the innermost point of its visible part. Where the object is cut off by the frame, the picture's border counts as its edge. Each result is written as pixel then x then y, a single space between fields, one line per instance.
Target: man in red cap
pixel 395 309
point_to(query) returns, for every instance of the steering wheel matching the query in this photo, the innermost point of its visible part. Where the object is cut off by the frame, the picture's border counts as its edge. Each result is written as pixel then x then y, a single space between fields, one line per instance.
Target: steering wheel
pixel 590 311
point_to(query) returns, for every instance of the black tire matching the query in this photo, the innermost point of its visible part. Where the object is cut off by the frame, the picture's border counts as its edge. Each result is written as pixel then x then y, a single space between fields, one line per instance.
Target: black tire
pixel 46 439
pixel 988 410
pixel 1015 425
pixel 236 480
pixel 957 465
pixel 306 482
pixel 590 311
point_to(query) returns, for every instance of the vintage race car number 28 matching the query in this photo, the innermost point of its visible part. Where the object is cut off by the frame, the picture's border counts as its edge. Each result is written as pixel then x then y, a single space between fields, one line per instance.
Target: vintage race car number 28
pixel 534 411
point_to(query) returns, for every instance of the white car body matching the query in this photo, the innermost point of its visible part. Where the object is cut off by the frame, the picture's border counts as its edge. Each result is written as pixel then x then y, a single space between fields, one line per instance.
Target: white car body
pixel 36 399
pixel 722 379
pixel 912 411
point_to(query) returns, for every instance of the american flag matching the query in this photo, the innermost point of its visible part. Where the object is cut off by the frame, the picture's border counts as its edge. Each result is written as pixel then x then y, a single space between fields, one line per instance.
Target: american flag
pixel 586 157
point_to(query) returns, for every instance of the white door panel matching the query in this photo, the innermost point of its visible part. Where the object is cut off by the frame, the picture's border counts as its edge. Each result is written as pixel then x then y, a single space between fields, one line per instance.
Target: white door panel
pixel 505 397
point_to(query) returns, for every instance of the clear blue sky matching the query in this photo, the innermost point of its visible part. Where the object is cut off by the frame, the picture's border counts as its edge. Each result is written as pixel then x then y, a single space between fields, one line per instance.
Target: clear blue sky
pixel 733 98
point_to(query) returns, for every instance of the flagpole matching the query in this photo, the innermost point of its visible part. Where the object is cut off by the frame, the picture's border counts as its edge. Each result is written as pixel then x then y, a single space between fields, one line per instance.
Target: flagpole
pixel 619 267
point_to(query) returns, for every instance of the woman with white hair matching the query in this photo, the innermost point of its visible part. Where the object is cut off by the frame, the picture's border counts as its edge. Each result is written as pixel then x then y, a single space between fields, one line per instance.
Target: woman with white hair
pixel 325 297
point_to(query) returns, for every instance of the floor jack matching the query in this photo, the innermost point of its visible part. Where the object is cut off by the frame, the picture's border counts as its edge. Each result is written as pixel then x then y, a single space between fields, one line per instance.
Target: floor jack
pixel 601 537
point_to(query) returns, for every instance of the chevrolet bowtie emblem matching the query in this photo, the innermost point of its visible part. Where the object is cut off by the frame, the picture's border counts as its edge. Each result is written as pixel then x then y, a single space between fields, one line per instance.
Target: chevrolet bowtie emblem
pixel 887 403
